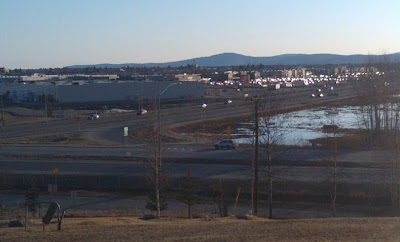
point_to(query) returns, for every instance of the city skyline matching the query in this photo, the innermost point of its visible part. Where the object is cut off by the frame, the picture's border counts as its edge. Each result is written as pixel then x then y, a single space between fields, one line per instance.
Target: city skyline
pixel 47 34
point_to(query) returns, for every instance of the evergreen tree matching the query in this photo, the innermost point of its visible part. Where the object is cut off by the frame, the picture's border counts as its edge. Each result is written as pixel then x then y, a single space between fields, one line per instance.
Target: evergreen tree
pixel 188 195
pixel 151 202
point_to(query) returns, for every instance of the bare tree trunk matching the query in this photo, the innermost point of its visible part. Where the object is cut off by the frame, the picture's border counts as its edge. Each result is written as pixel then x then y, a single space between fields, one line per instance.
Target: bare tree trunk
pixel 395 174
pixel 371 128
pixel 255 160
pixel 377 120
pixel 158 193
pixel 334 181
pixel 386 116
pixel 270 191
pixel 332 151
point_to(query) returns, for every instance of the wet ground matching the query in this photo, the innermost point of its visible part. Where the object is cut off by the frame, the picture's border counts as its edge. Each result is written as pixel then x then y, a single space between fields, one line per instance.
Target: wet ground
pixel 297 128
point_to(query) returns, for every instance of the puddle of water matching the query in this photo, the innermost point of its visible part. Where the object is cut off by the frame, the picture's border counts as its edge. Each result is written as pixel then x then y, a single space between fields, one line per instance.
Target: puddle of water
pixel 297 128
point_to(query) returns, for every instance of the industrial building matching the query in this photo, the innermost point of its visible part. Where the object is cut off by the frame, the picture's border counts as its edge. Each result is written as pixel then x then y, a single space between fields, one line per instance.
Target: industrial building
pixel 101 91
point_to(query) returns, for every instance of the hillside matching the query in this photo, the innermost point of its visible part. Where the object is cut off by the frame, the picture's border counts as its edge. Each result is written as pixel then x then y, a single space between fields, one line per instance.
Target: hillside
pixel 233 59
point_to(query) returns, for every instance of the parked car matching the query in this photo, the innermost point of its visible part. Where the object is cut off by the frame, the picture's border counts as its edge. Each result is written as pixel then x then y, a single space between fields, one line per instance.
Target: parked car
pixel 321 95
pixel 203 105
pixel 93 116
pixel 226 144
pixel 313 95
pixel 228 101
pixel 142 112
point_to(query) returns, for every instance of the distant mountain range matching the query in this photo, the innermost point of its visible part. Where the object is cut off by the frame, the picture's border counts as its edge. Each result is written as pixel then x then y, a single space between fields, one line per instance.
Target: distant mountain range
pixel 233 59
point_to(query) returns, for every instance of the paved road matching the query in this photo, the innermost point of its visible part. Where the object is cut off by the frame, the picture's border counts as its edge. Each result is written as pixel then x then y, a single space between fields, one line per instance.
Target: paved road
pixel 361 158
pixel 108 130
pixel 203 171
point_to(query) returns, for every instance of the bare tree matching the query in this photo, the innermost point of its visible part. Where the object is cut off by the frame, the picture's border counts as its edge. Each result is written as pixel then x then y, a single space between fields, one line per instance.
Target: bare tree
pixel 376 90
pixel 378 86
pixel 254 180
pixel 331 146
pixel 220 199
pixel 272 131
pixel 155 202
pixel 393 137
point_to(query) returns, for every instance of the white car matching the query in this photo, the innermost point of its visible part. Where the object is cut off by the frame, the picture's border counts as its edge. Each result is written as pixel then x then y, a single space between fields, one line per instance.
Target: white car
pixel 93 116
pixel 313 95
pixel 321 95
pixel 228 101
pixel 203 105
pixel 142 111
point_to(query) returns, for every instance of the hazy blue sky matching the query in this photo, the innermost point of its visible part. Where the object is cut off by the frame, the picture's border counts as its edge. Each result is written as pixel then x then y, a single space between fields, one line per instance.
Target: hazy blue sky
pixel 55 33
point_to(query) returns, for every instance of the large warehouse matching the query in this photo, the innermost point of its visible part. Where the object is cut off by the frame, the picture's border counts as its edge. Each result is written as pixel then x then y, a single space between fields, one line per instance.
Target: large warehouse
pixel 102 91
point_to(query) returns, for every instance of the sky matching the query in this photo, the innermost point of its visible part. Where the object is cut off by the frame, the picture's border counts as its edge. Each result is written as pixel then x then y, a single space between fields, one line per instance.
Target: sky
pixel 57 33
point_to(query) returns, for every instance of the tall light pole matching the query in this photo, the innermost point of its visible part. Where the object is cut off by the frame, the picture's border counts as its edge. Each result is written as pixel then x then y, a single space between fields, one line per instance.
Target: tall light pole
pixel 254 183
pixel 45 105
pixel 158 145
pixel 158 119
pixel 2 112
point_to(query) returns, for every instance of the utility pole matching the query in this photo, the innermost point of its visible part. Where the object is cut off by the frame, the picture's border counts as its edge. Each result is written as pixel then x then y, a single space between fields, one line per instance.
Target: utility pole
pixel 159 127
pixel 45 104
pixel 254 185
pixel 157 146
pixel 55 94
pixel 157 151
pixel 2 112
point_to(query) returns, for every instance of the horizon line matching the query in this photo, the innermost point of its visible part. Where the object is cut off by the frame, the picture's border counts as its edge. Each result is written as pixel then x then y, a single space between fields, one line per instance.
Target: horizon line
pixel 193 58
pixel 147 63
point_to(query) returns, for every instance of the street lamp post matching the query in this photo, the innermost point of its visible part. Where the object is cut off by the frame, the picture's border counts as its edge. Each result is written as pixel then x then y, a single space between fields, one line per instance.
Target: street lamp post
pixel 158 145
pixel 158 119
pixel 2 112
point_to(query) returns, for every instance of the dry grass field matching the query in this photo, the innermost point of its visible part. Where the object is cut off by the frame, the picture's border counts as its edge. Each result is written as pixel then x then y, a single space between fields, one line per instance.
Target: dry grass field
pixel 65 139
pixel 220 229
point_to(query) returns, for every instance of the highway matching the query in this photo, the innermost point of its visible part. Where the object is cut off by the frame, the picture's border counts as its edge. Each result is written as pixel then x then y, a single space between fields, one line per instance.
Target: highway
pixel 109 129
pixel 193 154
pixel 114 157
pixel 201 171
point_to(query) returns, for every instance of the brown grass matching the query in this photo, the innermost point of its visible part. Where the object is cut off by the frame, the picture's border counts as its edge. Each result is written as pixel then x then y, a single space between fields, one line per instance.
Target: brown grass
pixel 147 135
pixel 56 139
pixel 221 229
pixel 10 119
pixel 351 139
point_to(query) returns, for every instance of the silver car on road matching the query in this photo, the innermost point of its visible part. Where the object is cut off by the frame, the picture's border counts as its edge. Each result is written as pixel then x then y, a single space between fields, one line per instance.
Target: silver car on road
pixel 226 144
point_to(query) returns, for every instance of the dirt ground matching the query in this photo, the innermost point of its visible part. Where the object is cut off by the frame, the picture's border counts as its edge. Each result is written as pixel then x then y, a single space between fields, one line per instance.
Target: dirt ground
pixel 209 229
